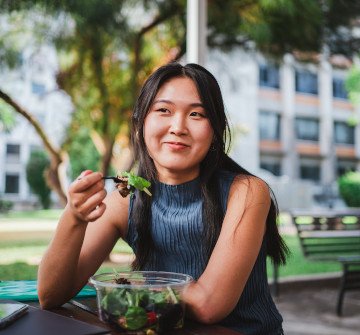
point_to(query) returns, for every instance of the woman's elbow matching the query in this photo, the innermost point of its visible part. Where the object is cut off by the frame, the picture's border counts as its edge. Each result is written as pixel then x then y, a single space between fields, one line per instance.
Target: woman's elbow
pixel 205 314
pixel 46 302
pixel 49 298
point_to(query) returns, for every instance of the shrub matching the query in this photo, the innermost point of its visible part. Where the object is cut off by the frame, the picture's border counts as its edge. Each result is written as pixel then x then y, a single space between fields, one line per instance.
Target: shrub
pixel 35 175
pixel 5 206
pixel 349 188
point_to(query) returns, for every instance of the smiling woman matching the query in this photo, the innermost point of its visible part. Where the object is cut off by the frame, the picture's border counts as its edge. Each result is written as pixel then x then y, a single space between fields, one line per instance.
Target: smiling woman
pixel 207 217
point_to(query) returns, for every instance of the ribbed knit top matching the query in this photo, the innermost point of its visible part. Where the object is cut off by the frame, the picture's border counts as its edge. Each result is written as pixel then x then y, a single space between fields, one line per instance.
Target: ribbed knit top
pixel 176 214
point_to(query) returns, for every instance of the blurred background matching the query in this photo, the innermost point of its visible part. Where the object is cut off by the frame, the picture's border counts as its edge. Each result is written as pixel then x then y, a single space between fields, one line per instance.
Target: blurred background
pixel 70 72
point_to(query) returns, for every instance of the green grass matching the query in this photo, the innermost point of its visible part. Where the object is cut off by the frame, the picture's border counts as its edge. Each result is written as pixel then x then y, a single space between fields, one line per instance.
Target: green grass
pixel 24 271
pixel 298 265
pixel 17 258
pixel 44 214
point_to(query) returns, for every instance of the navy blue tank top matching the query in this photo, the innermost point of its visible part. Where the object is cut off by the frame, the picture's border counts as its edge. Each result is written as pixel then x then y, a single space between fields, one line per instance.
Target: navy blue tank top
pixel 176 214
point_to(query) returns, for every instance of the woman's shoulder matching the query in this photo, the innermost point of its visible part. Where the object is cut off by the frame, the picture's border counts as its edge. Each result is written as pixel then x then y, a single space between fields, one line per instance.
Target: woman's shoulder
pixel 239 187
pixel 245 180
pixel 254 188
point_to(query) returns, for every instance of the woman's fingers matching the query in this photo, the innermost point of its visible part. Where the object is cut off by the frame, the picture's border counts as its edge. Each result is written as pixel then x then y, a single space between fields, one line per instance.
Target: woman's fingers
pixel 85 181
pixel 86 194
pixel 92 202
pixel 96 213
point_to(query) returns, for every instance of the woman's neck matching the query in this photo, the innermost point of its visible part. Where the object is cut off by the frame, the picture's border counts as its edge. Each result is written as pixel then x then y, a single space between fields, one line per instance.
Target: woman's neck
pixel 177 177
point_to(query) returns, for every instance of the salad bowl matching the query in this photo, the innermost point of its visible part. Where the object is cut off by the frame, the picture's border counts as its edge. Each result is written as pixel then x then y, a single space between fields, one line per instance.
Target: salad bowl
pixel 141 302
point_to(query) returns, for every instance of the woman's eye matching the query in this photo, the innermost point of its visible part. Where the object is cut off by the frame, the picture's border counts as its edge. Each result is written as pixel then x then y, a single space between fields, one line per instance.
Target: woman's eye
pixel 162 110
pixel 197 114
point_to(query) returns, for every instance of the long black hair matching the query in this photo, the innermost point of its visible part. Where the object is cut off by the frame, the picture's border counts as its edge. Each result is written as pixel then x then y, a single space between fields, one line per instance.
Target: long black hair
pixel 216 159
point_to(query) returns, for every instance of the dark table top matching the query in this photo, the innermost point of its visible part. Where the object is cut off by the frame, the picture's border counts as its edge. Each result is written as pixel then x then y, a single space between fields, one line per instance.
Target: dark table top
pixel 72 311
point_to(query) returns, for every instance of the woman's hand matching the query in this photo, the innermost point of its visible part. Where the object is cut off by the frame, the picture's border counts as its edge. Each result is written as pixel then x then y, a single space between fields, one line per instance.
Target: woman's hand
pixel 86 195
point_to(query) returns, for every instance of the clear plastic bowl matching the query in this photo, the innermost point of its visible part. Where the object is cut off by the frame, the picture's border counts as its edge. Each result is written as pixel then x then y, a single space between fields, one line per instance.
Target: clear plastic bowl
pixel 141 302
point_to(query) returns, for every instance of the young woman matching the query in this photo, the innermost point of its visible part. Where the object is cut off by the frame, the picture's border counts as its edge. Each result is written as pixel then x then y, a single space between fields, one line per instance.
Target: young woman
pixel 207 217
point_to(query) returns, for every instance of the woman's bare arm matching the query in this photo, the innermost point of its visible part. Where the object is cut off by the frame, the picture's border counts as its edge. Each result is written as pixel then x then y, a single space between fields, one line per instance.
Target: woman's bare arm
pixel 85 235
pixel 219 288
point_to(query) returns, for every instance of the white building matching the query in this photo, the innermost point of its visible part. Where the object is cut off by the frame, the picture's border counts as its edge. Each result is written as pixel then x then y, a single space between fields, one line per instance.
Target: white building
pixel 33 87
pixel 296 115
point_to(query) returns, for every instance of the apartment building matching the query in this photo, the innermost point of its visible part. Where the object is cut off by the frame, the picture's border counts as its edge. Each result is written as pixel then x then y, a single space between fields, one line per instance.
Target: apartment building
pixel 297 120
pixel 304 120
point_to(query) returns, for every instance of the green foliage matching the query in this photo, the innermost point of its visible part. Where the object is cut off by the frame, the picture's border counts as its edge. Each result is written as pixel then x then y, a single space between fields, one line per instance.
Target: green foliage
pixel 349 188
pixel 82 152
pixel 280 26
pixel 35 174
pixel 352 85
pixel 18 271
pixel 7 117
pixel 5 205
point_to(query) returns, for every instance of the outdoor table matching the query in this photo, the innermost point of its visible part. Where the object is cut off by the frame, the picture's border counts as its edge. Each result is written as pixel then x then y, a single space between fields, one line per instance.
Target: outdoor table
pixel 73 311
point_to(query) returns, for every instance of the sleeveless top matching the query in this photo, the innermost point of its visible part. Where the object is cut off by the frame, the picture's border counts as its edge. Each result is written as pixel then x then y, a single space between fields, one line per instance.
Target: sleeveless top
pixel 176 214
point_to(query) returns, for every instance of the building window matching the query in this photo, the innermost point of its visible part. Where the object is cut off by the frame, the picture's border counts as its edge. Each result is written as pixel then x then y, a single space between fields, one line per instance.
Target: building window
pixel 13 149
pixel 306 82
pixel 269 126
pixel 307 129
pixel 310 172
pixel 273 167
pixel 339 90
pixel 37 88
pixel 343 133
pixel 13 152
pixel 12 183
pixel 344 166
pixel 269 76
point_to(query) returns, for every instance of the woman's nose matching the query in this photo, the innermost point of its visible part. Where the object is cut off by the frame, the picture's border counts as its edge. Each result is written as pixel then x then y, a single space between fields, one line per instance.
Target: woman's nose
pixel 178 125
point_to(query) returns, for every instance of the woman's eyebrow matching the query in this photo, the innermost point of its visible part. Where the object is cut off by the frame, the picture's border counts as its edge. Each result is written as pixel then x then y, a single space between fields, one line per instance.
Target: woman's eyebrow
pixel 194 104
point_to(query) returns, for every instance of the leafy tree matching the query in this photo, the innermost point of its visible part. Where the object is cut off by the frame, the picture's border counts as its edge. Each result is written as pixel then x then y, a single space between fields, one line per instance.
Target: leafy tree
pixel 35 174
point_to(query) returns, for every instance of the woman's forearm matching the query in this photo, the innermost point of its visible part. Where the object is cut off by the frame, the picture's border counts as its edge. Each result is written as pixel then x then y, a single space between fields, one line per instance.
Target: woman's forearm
pixel 57 275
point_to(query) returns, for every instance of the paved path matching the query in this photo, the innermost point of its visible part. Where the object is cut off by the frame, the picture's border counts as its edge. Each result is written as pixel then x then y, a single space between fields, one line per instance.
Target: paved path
pixel 311 311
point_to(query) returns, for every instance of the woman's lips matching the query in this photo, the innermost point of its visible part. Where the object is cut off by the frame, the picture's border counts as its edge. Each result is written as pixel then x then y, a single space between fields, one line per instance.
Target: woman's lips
pixel 177 145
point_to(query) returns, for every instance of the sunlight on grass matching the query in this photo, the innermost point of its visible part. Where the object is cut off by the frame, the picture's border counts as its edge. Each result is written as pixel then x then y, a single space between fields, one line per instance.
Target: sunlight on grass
pixel 298 265
pixel 19 259
pixel 45 214
pixel 24 271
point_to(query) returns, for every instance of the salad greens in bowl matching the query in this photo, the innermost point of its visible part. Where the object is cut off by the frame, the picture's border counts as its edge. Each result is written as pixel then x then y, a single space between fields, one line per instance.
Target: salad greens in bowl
pixel 141 302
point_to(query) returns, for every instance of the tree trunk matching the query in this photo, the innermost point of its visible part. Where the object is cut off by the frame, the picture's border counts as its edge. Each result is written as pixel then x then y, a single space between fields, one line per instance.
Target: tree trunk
pixel 53 175
pixel 106 156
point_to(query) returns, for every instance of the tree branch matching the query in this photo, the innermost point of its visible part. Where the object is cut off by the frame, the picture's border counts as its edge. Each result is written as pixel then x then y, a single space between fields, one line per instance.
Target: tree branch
pixel 48 145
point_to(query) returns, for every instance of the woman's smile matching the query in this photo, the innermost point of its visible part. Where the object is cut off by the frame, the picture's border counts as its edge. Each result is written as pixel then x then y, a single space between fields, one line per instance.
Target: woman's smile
pixel 177 146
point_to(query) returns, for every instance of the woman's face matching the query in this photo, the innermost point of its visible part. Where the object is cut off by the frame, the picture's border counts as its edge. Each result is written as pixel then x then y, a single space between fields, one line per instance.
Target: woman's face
pixel 177 131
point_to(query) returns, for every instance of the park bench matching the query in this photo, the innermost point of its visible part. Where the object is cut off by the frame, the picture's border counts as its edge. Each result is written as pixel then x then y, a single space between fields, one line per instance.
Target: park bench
pixel 332 235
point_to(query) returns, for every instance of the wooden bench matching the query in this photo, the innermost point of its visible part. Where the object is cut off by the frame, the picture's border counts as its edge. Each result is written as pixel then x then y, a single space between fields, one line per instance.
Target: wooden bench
pixel 332 235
